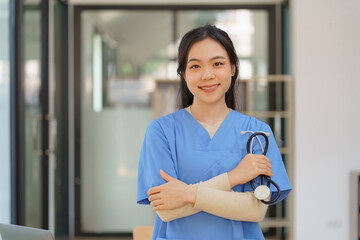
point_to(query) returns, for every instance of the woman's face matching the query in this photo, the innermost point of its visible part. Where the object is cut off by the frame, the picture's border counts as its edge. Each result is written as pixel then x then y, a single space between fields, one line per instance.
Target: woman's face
pixel 208 71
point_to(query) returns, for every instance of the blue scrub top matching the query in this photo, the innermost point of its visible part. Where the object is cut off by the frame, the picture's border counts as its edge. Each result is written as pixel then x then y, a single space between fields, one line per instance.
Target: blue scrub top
pixel 182 147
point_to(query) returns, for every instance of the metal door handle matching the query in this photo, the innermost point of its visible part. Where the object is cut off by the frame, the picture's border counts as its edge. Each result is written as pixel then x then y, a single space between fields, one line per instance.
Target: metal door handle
pixel 35 125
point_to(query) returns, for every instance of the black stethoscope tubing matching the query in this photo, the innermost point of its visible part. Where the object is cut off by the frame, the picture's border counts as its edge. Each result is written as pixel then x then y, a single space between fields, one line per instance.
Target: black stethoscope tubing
pixel 263 176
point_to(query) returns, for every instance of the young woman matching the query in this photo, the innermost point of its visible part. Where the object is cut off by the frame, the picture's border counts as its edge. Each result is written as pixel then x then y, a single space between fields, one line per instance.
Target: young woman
pixel 194 169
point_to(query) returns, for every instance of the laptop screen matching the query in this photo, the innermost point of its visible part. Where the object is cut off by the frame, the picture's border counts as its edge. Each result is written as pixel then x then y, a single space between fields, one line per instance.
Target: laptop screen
pixel 14 232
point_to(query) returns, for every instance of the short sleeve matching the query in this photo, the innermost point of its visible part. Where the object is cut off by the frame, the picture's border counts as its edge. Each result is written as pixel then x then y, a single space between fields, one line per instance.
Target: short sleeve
pixel 280 176
pixel 155 155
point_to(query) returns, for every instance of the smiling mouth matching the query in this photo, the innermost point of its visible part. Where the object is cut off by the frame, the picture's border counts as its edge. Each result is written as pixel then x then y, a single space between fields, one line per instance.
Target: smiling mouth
pixel 208 87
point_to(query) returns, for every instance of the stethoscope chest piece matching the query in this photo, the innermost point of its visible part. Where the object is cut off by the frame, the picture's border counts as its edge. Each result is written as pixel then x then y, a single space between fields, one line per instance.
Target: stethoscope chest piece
pixel 262 192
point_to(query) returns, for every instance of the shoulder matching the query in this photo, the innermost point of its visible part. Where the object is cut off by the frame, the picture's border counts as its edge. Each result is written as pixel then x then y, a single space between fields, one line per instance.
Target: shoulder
pixel 249 122
pixel 166 123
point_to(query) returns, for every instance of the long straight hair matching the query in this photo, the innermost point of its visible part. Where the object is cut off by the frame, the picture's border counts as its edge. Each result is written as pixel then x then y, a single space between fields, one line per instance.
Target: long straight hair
pixel 185 97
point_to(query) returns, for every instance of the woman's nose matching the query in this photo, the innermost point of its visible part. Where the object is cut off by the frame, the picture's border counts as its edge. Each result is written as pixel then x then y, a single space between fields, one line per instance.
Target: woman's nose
pixel 207 74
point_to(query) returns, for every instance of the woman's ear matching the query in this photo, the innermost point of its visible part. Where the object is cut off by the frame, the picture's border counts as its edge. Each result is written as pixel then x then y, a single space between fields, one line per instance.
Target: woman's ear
pixel 233 69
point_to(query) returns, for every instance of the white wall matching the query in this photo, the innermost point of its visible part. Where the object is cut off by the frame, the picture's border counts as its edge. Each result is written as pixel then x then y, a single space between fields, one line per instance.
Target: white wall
pixel 326 69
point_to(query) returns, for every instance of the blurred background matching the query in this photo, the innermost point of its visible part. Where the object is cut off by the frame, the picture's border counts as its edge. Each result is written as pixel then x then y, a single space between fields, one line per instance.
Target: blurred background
pixel 80 80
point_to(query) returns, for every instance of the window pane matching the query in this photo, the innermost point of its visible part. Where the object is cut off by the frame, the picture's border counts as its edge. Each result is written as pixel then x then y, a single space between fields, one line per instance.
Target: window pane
pixel 33 114
pixel 123 53
pixel 265 95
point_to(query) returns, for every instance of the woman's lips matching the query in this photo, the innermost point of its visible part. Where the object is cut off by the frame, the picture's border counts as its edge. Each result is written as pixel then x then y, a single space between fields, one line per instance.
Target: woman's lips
pixel 209 88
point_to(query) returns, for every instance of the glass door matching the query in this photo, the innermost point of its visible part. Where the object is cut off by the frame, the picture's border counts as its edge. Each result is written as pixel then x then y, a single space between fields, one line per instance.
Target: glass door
pixel 40 126
pixel 39 178
pixel 34 179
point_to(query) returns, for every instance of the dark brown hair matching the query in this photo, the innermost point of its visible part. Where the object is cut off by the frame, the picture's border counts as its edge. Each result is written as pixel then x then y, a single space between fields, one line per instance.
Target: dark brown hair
pixel 208 31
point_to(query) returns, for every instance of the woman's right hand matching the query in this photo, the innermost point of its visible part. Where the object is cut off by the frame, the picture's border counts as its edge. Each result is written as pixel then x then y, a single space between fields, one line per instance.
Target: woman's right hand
pixel 251 166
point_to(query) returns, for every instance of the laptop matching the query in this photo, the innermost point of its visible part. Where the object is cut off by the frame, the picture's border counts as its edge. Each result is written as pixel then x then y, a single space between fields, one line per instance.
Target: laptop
pixel 15 232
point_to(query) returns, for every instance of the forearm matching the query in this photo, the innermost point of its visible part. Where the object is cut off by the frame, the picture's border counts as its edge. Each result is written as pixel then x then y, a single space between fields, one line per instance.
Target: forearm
pixel 240 206
pixel 233 178
pixel 219 182
pixel 214 197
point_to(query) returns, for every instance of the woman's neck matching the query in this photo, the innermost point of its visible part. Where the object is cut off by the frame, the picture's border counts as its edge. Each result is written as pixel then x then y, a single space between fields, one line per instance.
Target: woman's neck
pixel 209 113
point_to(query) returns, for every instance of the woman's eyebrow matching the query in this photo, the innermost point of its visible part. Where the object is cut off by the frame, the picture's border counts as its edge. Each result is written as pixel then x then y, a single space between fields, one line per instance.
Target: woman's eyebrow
pixel 217 57
pixel 193 60
pixel 213 58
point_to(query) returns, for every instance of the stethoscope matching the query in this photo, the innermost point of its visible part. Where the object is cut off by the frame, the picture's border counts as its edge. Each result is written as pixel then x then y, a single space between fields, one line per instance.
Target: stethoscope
pixel 262 191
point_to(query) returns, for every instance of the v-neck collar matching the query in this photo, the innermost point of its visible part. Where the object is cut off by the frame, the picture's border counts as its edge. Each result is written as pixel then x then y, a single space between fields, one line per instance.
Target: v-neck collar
pixel 200 129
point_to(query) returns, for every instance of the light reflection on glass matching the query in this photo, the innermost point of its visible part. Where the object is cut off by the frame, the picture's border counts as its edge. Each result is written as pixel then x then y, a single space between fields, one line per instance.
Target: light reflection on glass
pixel 245 69
pixel 240 27
pixel 97 73
pixel 32 82
pixel 4 73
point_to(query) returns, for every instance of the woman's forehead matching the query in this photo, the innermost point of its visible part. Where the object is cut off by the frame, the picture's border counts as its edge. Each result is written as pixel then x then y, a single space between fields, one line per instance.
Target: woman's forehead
pixel 207 48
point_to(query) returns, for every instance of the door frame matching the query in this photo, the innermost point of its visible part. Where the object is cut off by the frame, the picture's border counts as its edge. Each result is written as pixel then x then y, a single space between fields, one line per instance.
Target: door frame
pixel 17 132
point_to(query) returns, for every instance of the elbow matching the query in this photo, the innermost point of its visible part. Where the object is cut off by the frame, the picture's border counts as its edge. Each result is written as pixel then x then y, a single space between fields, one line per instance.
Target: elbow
pixel 253 218
pixel 259 215
pixel 260 210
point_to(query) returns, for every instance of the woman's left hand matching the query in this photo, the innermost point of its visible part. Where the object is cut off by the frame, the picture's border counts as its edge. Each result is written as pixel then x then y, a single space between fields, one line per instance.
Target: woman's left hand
pixel 171 195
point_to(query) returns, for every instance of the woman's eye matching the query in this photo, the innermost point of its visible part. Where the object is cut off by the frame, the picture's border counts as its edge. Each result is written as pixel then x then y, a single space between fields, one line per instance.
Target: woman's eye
pixel 217 64
pixel 194 66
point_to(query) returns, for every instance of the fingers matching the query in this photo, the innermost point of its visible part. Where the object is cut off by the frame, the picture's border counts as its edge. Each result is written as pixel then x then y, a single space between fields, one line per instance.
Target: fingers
pixel 154 190
pixel 165 176
pixel 261 156
pixel 157 189
pixel 154 197
pixel 261 159
pixel 161 207
pixel 262 165
pixel 156 203
pixel 264 169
